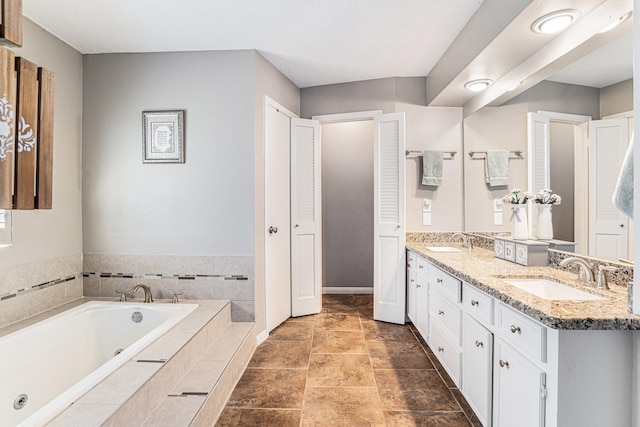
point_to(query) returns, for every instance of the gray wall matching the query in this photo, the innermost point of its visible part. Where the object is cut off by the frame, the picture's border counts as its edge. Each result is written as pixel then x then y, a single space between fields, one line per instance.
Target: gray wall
pixel 617 98
pixel 204 206
pixel 47 244
pixel 347 204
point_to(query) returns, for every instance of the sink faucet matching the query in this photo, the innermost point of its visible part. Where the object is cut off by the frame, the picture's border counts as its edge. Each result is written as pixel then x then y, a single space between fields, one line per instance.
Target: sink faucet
pixel 467 241
pixel 602 278
pixel 147 292
pixel 585 272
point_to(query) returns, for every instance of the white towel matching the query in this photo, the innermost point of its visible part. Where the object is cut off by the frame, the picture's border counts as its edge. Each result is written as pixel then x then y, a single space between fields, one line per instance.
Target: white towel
pixel 432 167
pixel 623 193
pixel 496 167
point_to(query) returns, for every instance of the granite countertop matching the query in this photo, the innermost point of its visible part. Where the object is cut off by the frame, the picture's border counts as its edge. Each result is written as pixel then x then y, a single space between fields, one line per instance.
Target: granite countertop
pixel 480 268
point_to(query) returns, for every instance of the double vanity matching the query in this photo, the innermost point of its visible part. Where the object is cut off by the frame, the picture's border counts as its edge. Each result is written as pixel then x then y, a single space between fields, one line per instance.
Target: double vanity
pixel 527 346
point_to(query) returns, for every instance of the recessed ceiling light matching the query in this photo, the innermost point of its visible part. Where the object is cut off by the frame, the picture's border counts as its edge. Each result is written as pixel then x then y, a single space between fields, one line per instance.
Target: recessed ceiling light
pixel 615 23
pixel 555 22
pixel 478 85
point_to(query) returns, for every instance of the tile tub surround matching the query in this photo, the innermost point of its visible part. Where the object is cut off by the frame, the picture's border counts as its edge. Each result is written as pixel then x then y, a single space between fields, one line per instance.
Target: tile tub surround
pixel 32 288
pixel 480 268
pixel 205 341
pixel 196 277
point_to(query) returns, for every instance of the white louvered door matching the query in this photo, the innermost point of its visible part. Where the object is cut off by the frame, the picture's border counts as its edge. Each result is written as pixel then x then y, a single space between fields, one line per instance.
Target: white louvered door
pixel 306 225
pixel 389 219
pixel 608 236
pixel 539 160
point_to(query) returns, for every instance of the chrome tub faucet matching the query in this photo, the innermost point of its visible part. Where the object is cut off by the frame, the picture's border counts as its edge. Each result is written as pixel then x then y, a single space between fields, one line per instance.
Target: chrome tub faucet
pixel 147 292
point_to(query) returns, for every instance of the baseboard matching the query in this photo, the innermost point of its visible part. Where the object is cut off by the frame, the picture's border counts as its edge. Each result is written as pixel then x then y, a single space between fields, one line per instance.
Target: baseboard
pixel 261 337
pixel 345 290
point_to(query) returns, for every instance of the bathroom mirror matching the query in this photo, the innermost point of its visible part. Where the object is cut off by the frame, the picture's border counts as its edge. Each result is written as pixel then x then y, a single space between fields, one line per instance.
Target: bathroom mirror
pixel 506 128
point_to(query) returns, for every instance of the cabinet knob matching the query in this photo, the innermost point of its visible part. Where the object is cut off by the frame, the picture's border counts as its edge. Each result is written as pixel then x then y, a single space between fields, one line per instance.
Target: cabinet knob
pixel 273 230
pixel 504 364
pixel 441 312
pixel 439 280
pixel 474 302
pixel 420 267
pixel 515 329
pixel 412 280
pixel 441 350
pixel 418 286
pixel 479 344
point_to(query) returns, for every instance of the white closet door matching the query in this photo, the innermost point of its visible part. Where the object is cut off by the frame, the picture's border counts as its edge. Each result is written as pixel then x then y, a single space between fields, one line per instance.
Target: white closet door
pixel 306 225
pixel 608 236
pixel 389 219
pixel 539 172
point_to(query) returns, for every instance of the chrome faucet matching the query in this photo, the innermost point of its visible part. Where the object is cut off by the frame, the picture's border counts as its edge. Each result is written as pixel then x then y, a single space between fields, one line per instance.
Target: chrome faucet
pixel 585 271
pixel 602 278
pixel 467 241
pixel 147 292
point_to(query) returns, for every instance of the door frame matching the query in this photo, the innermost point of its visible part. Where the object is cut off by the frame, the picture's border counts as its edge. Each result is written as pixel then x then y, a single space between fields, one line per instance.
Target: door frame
pixel 262 224
pixel 358 116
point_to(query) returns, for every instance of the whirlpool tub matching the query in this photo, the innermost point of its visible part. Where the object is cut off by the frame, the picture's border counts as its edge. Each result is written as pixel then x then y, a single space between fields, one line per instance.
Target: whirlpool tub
pixel 48 365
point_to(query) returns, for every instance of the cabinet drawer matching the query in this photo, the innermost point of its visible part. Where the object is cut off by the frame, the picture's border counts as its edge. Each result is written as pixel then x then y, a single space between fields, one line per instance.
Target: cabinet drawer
pixel 522 332
pixel 447 313
pixel 477 303
pixel 411 259
pixel 447 353
pixel 445 282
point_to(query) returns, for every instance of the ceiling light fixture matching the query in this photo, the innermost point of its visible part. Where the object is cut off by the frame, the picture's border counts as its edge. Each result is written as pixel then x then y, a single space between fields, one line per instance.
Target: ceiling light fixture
pixel 615 23
pixel 478 85
pixel 555 22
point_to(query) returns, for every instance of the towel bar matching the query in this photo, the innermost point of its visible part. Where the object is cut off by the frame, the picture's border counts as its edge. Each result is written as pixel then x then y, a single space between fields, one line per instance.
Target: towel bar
pixel 517 153
pixel 419 154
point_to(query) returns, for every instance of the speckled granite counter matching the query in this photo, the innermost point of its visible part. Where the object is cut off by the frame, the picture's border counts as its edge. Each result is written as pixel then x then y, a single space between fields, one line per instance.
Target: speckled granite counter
pixel 480 268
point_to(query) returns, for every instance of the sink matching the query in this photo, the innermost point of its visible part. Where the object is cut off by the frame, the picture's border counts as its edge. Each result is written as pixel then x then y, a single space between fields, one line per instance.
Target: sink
pixel 443 249
pixel 550 290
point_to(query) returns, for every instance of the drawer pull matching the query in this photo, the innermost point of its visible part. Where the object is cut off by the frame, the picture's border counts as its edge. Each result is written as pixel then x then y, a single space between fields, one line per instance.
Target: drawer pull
pixel 412 280
pixel 441 312
pixel 515 329
pixel 420 267
pixel 439 280
pixel 479 344
pixel 418 286
pixel 474 302
pixel 441 350
pixel 504 364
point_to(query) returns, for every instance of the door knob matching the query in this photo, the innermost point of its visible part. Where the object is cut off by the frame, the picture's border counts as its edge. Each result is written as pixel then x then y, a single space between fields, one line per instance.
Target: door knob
pixel 273 230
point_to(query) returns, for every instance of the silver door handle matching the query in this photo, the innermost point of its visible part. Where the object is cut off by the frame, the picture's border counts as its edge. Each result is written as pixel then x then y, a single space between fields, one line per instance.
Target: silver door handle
pixel 273 230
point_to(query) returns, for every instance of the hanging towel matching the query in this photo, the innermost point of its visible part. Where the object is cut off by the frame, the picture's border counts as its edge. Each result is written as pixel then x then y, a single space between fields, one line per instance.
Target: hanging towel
pixel 432 167
pixel 496 167
pixel 623 193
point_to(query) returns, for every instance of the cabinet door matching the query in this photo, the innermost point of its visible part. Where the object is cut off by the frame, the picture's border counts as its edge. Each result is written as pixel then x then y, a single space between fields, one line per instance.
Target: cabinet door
pixel 477 357
pixel 519 389
pixel 422 305
pixel 411 295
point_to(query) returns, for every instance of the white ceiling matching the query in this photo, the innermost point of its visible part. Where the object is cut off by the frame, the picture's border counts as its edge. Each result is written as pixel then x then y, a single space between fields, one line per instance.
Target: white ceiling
pixel 312 42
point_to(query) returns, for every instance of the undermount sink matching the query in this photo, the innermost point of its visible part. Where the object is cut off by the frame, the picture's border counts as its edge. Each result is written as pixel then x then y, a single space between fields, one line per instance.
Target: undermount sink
pixel 443 249
pixel 550 290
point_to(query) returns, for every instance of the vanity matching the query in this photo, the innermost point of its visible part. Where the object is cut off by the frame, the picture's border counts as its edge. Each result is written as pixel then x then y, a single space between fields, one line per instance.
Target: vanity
pixel 522 359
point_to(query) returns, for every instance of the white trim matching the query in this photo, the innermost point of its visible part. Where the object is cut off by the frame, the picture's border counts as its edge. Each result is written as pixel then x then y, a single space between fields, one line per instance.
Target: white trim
pixel 347 290
pixel 564 117
pixel 623 115
pixel 261 337
pixel 347 117
pixel 270 102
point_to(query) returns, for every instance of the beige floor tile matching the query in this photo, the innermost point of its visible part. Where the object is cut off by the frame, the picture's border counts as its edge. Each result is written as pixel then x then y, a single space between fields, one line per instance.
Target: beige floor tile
pixel 382 331
pixel 292 331
pixel 414 390
pixel 342 407
pixel 398 355
pixel 281 354
pixel 338 322
pixel 269 388
pixel 235 417
pixel 340 370
pixel 338 342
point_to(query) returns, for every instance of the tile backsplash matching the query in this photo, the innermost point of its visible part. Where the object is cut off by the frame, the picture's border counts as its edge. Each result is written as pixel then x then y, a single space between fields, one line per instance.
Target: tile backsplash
pixel 196 277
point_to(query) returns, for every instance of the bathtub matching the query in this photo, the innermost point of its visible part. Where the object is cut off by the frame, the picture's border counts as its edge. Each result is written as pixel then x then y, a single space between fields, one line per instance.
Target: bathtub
pixel 46 366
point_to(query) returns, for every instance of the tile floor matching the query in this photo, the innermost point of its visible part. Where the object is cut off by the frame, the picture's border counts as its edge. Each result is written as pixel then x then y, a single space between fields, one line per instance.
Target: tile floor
pixel 342 368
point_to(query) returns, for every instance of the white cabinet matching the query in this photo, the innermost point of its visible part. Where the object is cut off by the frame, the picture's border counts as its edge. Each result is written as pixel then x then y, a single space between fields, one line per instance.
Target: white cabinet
pixel 477 349
pixel 422 306
pixel 519 389
pixel 411 286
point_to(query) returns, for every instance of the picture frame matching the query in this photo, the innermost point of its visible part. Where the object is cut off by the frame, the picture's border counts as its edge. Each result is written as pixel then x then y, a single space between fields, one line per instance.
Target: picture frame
pixel 163 136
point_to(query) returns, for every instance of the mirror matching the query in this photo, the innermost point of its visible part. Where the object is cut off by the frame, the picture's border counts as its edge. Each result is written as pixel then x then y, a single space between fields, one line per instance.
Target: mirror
pixel 598 86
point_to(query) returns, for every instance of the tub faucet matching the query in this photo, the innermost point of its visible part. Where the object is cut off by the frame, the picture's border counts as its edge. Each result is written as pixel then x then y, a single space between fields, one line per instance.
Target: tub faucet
pixel 467 241
pixel 585 272
pixel 147 292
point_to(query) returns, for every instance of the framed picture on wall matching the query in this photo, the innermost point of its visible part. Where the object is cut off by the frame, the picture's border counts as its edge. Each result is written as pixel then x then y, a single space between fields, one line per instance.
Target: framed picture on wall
pixel 163 136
